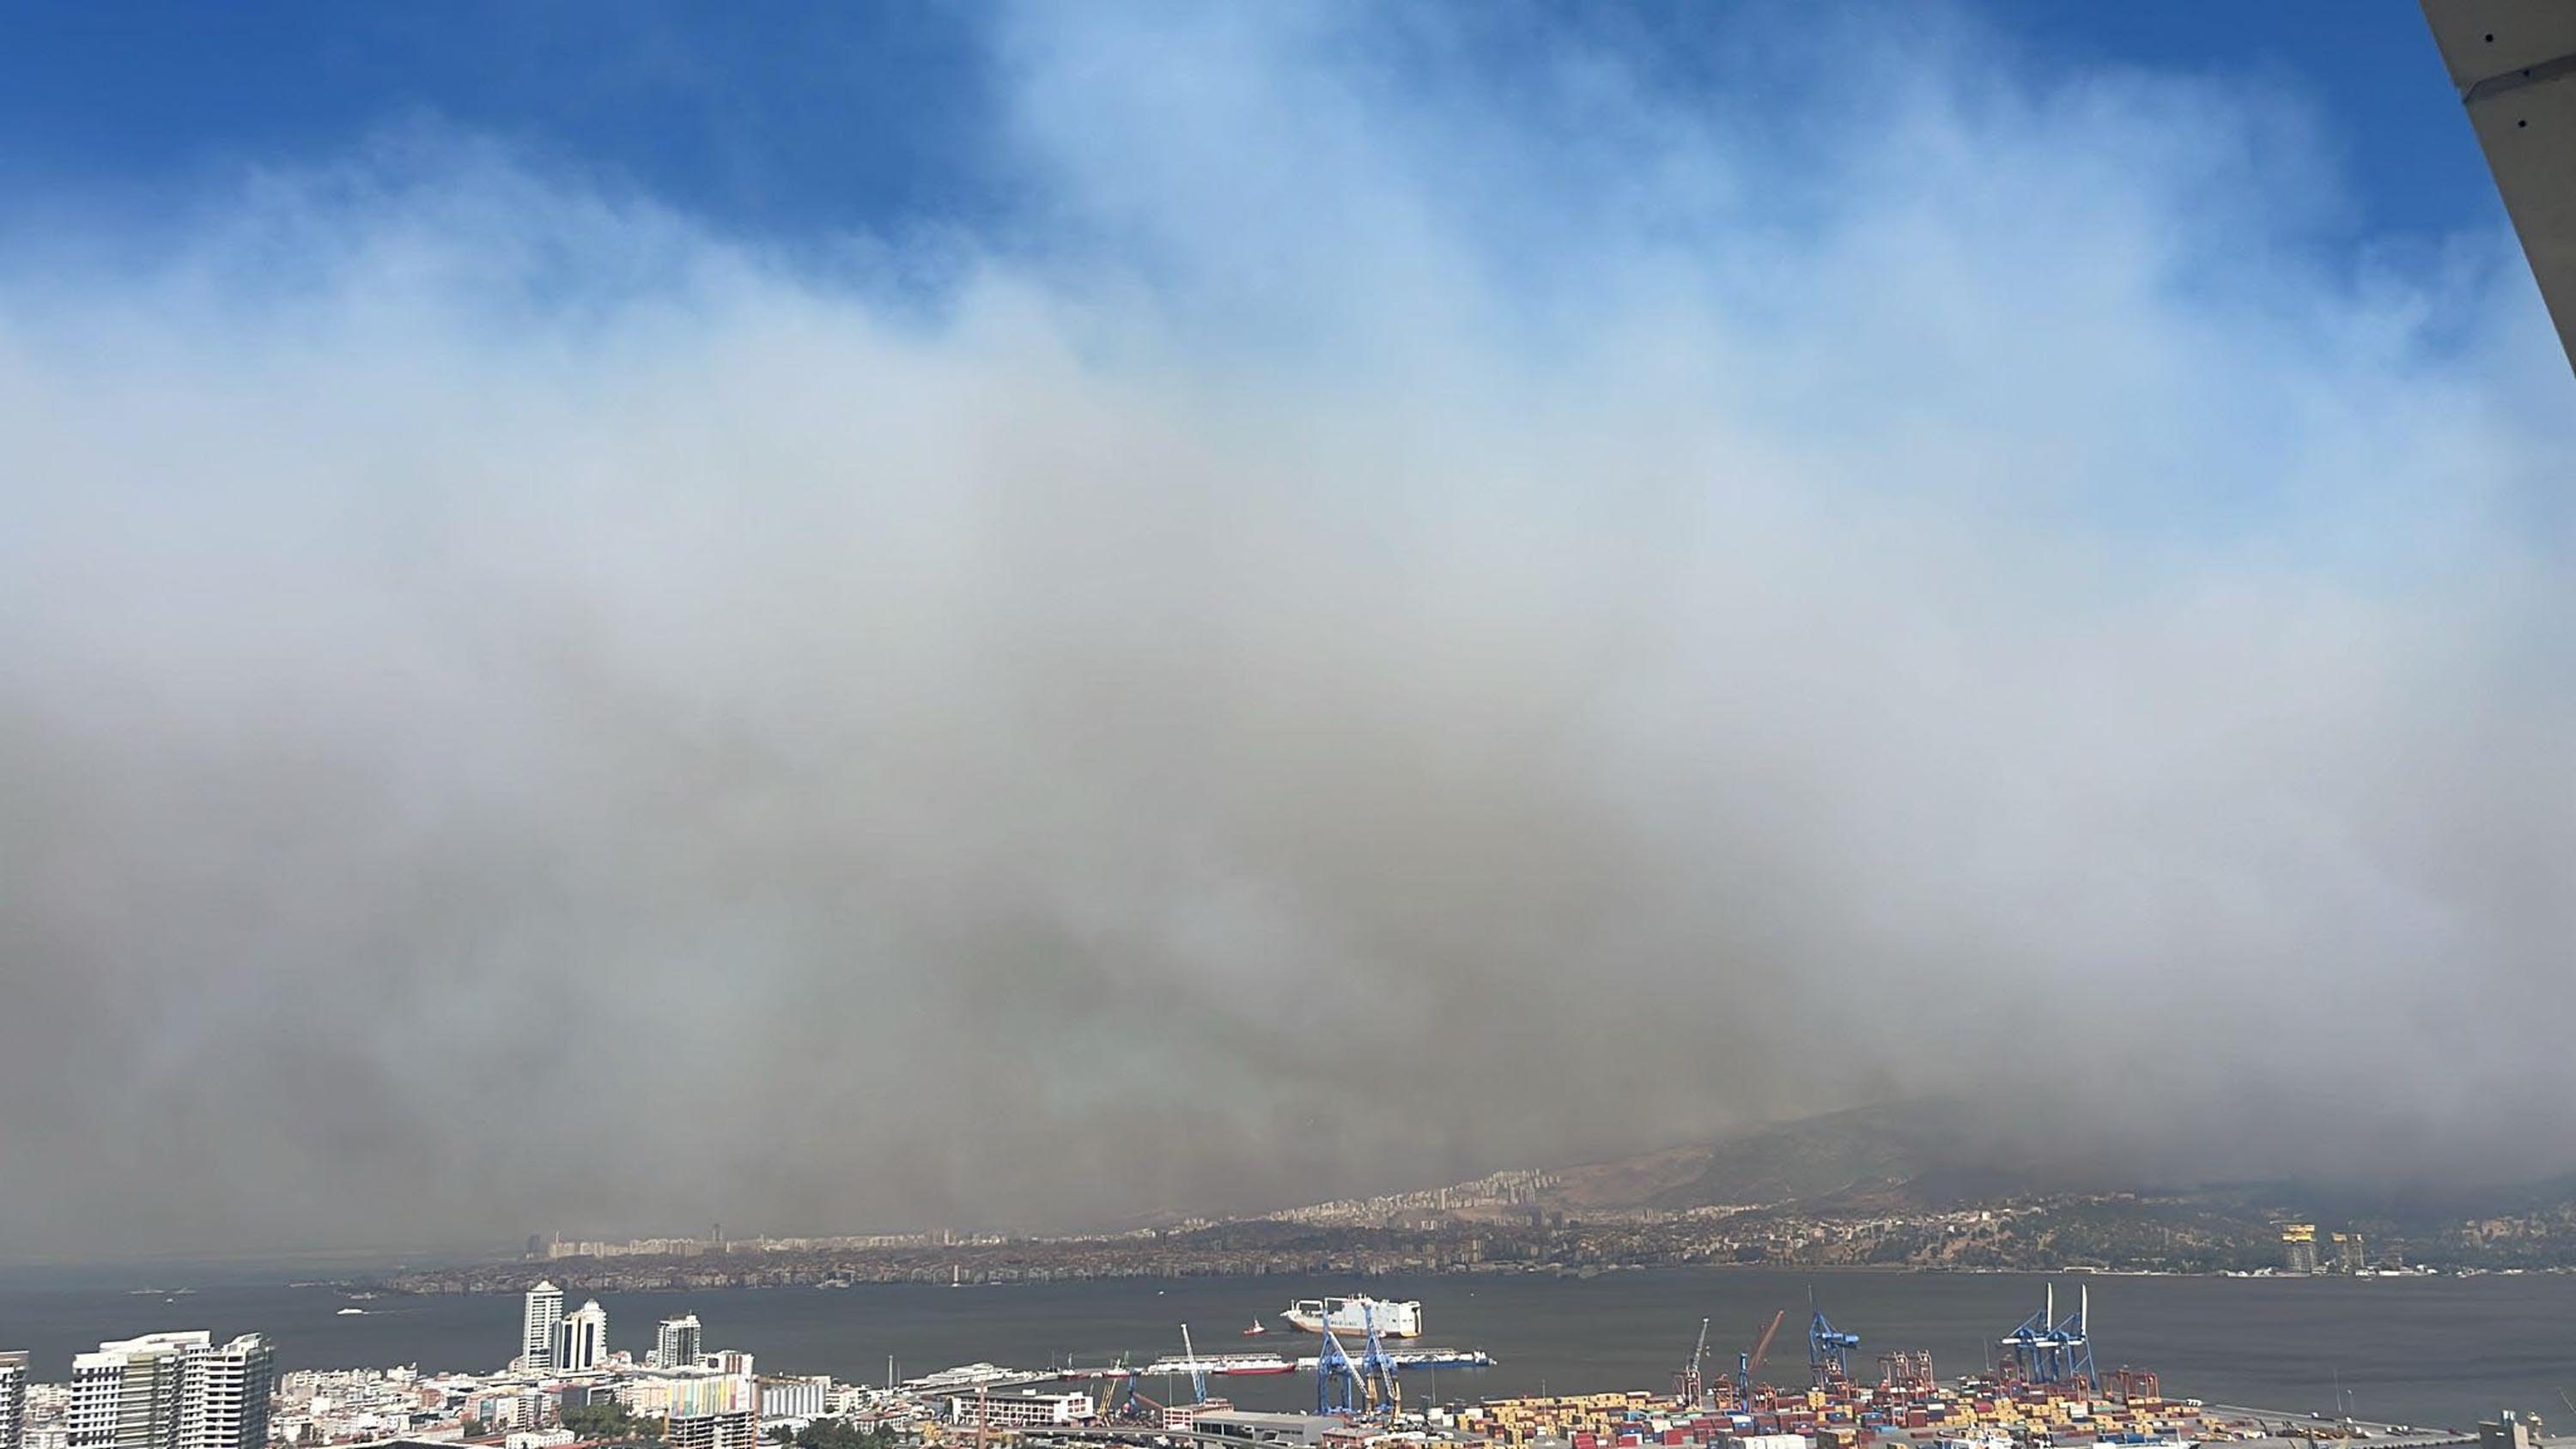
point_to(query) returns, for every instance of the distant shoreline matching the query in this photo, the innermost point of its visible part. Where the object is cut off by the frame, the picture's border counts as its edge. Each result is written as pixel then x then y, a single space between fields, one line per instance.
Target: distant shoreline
pixel 500 1279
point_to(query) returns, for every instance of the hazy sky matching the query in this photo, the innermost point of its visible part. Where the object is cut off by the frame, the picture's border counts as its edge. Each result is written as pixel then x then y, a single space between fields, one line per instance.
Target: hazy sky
pixel 1025 615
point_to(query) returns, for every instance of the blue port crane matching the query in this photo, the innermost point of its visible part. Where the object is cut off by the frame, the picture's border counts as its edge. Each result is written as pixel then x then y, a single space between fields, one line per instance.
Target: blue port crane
pixel 1337 1382
pixel 2028 1344
pixel 1828 1348
pixel 1198 1370
pixel 2046 1349
pixel 1125 1399
pixel 1378 1386
pixel 2074 1338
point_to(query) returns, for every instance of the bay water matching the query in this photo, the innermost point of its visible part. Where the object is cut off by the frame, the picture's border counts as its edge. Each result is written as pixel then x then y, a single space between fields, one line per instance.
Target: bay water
pixel 2425 1351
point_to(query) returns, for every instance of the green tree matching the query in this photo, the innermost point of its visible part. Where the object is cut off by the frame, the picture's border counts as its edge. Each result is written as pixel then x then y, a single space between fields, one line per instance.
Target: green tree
pixel 607 1422
pixel 842 1434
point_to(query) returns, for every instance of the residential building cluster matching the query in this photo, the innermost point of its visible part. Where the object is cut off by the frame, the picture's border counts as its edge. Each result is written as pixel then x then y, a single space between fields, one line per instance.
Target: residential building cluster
pixel 185 1390
pixel 551 1247
pixel 1412 1233
pixel 1497 1190
pixel 342 1406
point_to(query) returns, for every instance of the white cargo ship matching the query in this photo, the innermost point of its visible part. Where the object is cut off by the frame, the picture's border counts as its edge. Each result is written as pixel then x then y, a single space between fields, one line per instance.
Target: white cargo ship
pixel 1353 1315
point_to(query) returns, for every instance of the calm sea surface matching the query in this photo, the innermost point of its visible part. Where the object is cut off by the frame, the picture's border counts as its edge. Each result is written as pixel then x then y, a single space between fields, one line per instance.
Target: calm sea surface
pixel 2417 1350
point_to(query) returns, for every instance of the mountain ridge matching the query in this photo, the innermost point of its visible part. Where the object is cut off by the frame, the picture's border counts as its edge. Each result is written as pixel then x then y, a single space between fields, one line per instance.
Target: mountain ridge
pixel 1932 1145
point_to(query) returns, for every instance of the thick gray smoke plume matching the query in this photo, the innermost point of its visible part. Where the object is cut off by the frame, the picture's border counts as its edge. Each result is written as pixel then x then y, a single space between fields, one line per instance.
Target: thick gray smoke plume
pixel 1391 630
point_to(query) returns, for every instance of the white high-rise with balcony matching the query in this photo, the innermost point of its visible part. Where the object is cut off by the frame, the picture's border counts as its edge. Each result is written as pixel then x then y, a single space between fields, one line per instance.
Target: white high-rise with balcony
pixel 224 1402
pixel 13 1400
pixel 537 1327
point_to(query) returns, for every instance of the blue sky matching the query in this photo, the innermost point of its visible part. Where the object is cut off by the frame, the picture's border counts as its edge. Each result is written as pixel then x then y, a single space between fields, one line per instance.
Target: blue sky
pixel 793 121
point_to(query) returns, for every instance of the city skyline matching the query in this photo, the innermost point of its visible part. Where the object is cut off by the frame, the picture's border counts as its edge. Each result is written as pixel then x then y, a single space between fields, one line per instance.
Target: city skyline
pixel 180 1389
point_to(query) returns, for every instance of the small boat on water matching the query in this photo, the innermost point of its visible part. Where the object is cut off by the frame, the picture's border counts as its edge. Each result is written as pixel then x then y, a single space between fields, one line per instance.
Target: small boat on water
pixel 345 1312
pixel 1257 1329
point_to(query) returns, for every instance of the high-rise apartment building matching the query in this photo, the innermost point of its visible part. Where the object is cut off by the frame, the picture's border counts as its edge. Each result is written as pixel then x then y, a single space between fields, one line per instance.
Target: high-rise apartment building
pixel 13 1400
pixel 173 1391
pixel 581 1340
pixel 223 1404
pixel 127 1394
pixel 677 1343
pixel 537 1327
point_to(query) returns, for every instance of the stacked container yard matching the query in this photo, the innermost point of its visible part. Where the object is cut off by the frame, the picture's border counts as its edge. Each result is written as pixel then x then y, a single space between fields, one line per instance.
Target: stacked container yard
pixel 1977 1414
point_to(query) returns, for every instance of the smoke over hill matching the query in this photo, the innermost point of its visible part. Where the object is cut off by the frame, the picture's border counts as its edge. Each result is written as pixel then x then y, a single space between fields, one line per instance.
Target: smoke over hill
pixel 1390 618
